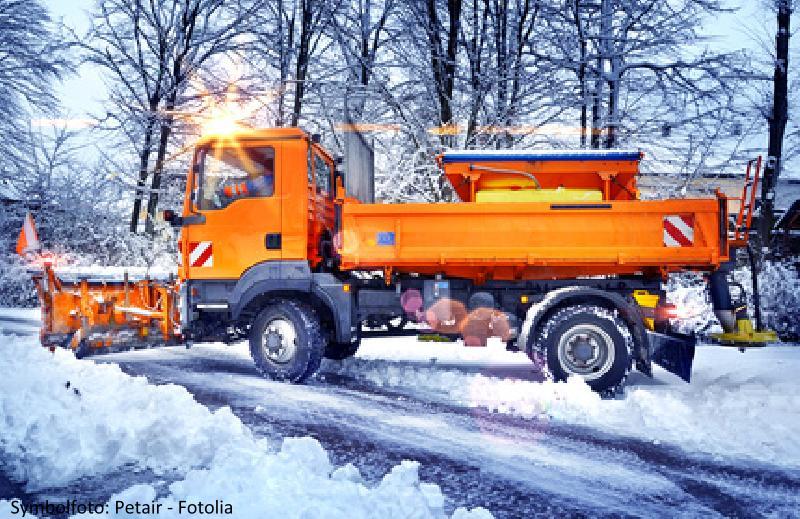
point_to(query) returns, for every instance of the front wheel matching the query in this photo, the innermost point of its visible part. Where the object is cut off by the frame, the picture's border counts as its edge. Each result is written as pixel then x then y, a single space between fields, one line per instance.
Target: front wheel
pixel 344 350
pixel 286 341
pixel 586 341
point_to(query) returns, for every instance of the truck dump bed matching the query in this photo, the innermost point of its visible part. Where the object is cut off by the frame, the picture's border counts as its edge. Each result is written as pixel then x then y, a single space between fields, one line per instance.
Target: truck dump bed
pixel 537 216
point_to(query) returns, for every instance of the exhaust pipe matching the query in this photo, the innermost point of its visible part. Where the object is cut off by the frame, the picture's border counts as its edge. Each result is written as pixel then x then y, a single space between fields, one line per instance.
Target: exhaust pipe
pixel 359 178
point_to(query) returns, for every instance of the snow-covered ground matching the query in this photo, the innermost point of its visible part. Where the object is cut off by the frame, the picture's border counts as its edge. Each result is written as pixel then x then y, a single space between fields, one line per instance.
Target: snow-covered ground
pixel 739 405
pixel 62 419
pixel 24 321
pixel 485 427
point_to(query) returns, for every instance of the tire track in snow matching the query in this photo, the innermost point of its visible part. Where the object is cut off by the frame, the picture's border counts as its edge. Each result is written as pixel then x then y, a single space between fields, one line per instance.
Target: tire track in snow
pixel 732 490
pixel 465 481
pixel 699 485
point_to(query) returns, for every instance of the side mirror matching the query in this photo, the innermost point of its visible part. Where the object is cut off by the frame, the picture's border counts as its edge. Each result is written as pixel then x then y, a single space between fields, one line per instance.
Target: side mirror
pixel 171 218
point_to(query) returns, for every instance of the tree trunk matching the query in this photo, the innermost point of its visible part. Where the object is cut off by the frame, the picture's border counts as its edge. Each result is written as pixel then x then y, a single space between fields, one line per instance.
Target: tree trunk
pixel 155 186
pixel 582 73
pixel 443 63
pixel 777 124
pixel 454 12
pixel 301 69
pixel 286 37
pixel 144 163
pixel 597 105
pixel 475 55
pixel 607 58
pixel 613 104
pixel 501 64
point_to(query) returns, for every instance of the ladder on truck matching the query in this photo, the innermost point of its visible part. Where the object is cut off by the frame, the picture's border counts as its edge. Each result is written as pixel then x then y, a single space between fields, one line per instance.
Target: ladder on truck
pixel 745 335
pixel 740 233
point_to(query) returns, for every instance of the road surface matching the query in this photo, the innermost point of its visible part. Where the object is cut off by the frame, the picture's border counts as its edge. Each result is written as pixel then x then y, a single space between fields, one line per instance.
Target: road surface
pixel 511 465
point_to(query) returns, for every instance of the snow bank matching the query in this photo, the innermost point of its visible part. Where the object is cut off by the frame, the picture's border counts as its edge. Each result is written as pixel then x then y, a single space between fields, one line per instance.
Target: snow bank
pixel 62 419
pixel 298 481
pixel 738 405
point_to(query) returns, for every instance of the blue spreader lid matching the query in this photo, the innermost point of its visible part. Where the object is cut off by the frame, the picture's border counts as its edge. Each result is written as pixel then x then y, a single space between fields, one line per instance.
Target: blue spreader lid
pixel 449 157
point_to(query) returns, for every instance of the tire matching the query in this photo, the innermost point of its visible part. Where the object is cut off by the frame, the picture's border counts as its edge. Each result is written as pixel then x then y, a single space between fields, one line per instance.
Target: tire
pixel 343 350
pixel 587 341
pixel 286 341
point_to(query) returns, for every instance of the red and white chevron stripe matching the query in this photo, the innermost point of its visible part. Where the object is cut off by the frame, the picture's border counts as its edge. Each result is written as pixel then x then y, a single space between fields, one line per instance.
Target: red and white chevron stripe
pixel 679 230
pixel 201 254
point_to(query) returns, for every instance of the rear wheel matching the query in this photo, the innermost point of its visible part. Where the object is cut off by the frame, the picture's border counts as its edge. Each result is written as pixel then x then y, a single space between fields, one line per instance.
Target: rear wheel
pixel 586 341
pixel 286 341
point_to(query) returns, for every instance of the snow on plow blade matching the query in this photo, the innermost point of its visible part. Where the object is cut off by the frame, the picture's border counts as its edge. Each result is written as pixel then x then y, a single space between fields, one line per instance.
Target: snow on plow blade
pixel 673 352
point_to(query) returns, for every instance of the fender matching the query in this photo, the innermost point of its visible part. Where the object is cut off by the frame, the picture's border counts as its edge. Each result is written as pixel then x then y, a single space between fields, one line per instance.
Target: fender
pixel 573 295
pixel 294 276
pixel 330 292
pixel 269 276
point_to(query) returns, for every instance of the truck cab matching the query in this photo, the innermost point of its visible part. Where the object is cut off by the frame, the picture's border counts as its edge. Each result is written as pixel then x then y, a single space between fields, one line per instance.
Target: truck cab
pixel 257 224
pixel 253 197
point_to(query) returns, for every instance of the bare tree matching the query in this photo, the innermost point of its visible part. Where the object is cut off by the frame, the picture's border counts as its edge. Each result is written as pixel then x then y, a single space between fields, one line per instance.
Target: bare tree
pixel 31 58
pixel 637 60
pixel 151 51
pixel 359 29
pixel 287 37
pixel 440 22
pixel 777 117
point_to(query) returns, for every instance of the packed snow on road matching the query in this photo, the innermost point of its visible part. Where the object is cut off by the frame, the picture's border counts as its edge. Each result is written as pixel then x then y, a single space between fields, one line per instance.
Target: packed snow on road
pixel 404 429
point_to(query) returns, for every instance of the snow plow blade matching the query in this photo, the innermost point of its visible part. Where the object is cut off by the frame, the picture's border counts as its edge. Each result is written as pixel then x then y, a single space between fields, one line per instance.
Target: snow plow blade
pixel 91 316
pixel 673 352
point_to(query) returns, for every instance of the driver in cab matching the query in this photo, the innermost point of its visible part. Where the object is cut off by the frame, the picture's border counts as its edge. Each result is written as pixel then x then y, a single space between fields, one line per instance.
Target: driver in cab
pixel 235 173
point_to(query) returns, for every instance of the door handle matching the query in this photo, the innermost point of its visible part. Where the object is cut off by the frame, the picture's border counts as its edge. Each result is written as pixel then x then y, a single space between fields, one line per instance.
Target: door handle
pixel 273 241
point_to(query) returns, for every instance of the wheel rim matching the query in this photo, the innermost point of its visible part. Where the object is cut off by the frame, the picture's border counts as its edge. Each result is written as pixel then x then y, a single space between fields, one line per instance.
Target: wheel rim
pixel 279 341
pixel 586 350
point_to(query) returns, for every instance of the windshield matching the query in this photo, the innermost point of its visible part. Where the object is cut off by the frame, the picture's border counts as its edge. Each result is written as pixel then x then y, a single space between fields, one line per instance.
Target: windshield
pixel 228 173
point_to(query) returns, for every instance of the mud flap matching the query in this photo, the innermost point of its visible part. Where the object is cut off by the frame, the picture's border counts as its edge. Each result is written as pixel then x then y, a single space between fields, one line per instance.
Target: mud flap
pixel 673 352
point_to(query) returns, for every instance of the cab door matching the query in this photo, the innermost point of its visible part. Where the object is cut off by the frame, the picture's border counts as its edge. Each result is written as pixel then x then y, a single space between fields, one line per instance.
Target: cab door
pixel 232 219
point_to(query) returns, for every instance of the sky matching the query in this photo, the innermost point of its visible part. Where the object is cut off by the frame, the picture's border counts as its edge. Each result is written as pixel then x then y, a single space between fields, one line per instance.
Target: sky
pixel 82 92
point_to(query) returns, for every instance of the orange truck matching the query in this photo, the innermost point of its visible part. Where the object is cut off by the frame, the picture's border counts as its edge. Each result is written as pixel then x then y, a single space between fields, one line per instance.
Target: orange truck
pixel 553 252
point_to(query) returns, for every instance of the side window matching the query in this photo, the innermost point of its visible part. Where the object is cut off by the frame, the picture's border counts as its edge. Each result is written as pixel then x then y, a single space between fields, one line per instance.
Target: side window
pixel 230 173
pixel 323 174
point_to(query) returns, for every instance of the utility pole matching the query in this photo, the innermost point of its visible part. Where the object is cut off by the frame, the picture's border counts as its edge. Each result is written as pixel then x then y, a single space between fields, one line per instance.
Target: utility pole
pixel 777 123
